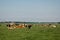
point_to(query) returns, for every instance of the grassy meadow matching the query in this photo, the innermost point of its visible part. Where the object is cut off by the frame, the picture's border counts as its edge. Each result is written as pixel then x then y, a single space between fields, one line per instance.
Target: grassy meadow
pixel 35 33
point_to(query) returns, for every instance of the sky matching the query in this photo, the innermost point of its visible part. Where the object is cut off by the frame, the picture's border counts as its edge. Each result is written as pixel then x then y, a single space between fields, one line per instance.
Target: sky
pixel 30 10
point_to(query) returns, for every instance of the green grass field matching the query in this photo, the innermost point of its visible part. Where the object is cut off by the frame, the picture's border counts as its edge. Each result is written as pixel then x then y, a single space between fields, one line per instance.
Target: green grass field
pixel 35 33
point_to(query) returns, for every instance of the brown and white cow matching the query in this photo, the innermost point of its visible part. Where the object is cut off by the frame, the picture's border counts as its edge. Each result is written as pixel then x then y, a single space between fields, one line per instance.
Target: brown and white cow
pixel 28 26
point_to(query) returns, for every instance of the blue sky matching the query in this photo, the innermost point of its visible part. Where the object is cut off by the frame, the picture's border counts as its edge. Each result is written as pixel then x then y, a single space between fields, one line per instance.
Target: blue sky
pixel 30 10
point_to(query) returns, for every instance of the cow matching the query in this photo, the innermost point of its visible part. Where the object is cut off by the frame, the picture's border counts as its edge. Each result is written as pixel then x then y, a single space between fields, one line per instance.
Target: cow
pixel 54 26
pixel 11 26
pixel 20 26
pixel 28 26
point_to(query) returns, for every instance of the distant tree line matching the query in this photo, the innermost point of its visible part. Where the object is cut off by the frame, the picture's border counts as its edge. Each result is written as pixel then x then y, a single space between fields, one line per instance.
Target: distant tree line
pixel 58 22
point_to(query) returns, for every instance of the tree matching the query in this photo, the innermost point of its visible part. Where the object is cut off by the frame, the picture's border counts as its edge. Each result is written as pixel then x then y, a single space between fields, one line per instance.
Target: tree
pixel 58 22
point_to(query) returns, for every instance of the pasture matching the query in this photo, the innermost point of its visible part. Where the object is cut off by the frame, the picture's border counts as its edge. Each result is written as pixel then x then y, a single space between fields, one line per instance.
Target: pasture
pixel 35 33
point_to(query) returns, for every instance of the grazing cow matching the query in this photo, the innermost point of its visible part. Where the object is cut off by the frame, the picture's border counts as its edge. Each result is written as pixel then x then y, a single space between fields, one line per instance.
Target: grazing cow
pixel 49 24
pixel 54 26
pixel 20 26
pixel 28 26
pixel 11 26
